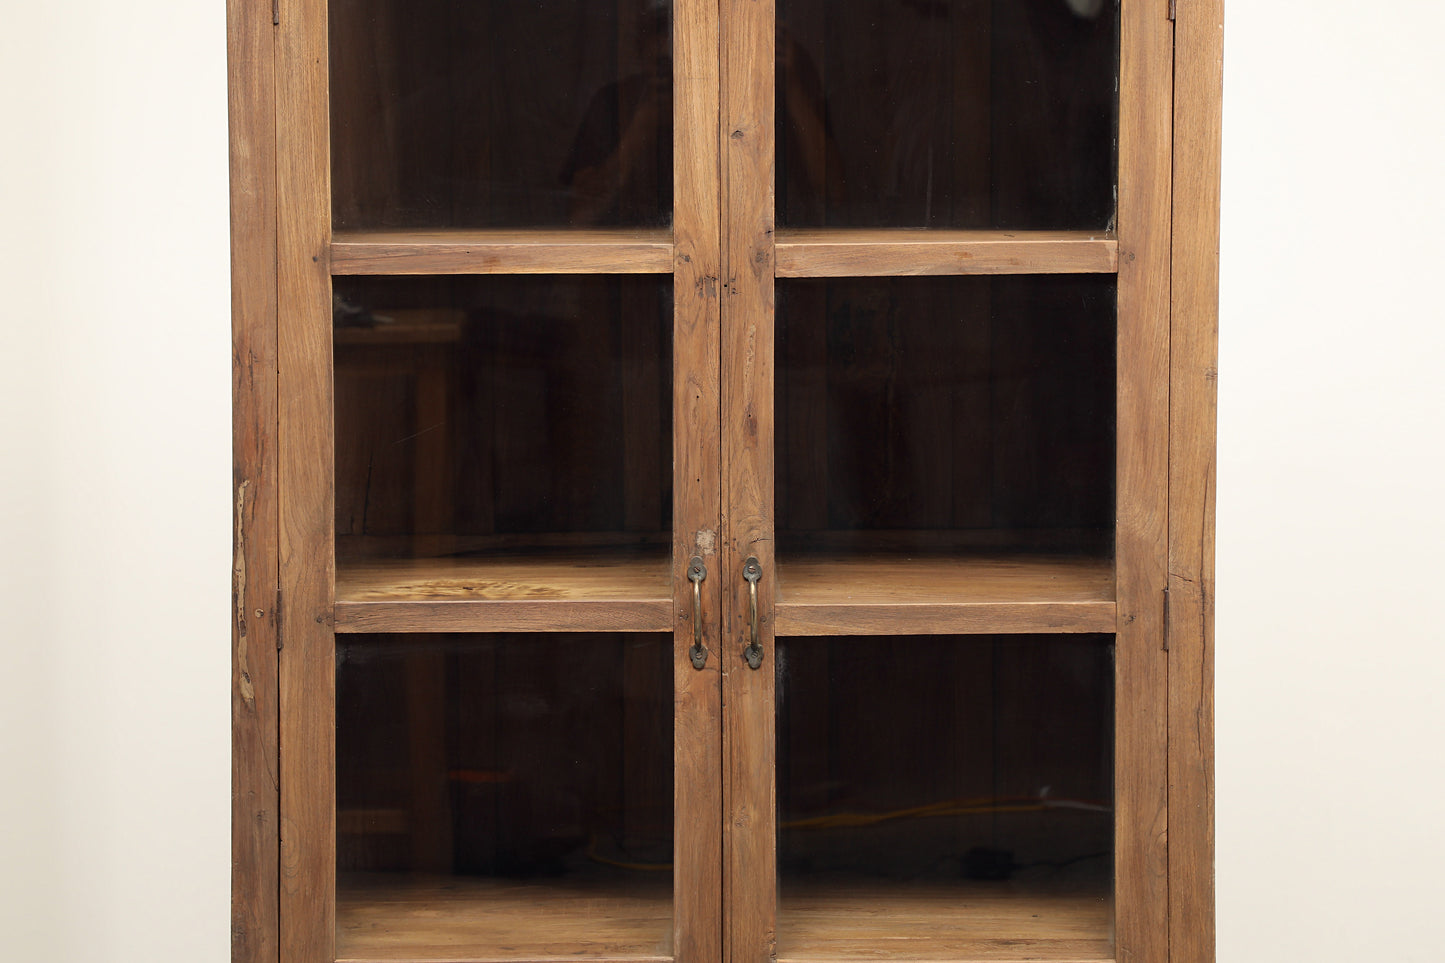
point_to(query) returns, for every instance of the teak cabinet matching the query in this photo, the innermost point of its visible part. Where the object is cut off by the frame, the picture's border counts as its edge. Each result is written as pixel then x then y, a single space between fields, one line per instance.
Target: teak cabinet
pixel 723 479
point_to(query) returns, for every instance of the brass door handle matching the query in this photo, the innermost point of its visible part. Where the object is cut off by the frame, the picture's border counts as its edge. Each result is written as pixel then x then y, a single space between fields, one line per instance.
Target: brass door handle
pixel 752 572
pixel 696 572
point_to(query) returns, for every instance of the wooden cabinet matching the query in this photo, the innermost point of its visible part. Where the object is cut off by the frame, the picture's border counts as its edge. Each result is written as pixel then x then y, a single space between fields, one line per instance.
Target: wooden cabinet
pixel 723 480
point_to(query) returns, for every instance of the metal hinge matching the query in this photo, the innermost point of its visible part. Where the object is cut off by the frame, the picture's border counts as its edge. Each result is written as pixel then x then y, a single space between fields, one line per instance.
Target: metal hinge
pixel 1172 5
pixel 276 12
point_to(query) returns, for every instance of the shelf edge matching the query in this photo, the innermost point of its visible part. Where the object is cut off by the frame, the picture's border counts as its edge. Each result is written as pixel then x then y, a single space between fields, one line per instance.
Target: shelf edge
pixel 506 615
pixel 945 618
pixel 916 253
pixel 549 253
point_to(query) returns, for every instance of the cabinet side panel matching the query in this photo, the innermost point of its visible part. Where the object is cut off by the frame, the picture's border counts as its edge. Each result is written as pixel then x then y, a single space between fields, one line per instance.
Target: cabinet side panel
pixel 697 785
pixel 254 797
pixel 1141 539
pixel 308 691
pixel 1194 339
pixel 749 744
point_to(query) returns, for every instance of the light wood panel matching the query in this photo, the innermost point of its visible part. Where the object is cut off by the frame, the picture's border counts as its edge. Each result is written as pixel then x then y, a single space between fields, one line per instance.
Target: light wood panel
pixel 601 590
pixel 697 484
pixel 551 251
pixel 880 594
pixel 959 921
pixel 749 743
pixel 305 446
pixel 476 919
pixel 393 917
pixel 1141 853
pixel 1198 70
pixel 842 252
pixel 255 795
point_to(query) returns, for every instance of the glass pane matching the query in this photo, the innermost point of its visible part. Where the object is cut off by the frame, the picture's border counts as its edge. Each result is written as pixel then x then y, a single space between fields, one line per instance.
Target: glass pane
pixel 475 414
pixel 945 798
pixel 503 796
pixel 946 412
pixel 946 113
pixel 500 113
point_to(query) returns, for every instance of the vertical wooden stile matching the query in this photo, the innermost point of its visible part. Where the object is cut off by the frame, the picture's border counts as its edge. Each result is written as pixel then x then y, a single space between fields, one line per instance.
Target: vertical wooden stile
pixel 1141 748
pixel 1194 341
pixel 308 685
pixel 254 742
pixel 749 872
pixel 697 779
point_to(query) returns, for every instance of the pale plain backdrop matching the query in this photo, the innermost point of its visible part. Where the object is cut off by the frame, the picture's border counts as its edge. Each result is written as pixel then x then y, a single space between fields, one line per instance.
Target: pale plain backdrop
pixel 115 532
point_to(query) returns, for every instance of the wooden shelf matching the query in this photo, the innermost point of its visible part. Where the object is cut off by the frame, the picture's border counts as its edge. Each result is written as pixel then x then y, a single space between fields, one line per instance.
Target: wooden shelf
pixel 599 590
pixel 453 919
pixel 884 593
pixel 827 922
pixel 555 251
pixel 385 917
pixel 847 252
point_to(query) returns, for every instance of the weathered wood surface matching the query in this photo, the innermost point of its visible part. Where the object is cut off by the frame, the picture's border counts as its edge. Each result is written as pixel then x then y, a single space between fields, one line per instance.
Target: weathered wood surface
pixel 850 594
pixel 871 252
pixel 1198 92
pixel 308 518
pixel 255 796
pixel 552 251
pixel 1141 853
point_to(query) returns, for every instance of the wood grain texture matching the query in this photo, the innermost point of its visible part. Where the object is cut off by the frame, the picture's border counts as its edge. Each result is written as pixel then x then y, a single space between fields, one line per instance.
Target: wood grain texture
pixel 436 918
pixel 1194 336
pixel 603 590
pixel 474 919
pixel 851 594
pixel 1141 857
pixel 749 742
pixel 308 693
pixel 697 483
pixel 550 251
pixel 255 796
pixel 931 921
pixel 873 252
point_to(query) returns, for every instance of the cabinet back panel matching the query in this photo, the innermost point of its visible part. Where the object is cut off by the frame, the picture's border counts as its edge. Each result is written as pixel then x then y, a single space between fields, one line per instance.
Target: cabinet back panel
pixel 947 405
pixel 946 113
pixel 911 765
pixel 502 406
pixel 500 113
pixel 518 783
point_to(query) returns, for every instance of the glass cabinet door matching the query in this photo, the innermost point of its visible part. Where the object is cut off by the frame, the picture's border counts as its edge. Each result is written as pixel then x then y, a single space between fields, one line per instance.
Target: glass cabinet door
pixel 501 686
pixel 723 449
pixel 944 370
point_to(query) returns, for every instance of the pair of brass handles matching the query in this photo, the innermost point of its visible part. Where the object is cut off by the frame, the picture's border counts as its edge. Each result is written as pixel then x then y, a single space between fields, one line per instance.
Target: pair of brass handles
pixel 752 572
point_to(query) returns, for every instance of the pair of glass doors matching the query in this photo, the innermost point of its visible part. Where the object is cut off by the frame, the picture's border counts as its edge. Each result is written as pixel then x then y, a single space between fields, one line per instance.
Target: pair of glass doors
pixel 722 448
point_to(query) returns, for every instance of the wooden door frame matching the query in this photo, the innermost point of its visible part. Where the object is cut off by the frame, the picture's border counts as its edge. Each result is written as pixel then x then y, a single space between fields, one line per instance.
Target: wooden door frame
pixel 284 842
pixel 252 50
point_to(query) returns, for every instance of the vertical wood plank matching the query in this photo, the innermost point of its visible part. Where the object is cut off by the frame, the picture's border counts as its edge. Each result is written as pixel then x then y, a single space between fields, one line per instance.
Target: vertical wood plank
pixel 696 499
pixel 254 744
pixel 1141 747
pixel 308 684
pixel 1194 342
pixel 748 39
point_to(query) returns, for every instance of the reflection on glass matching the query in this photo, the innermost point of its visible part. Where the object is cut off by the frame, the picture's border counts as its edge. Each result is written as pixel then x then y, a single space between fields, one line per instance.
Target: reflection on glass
pixel 503 797
pixel 946 411
pixel 473 410
pixel 500 113
pixel 946 113
pixel 945 797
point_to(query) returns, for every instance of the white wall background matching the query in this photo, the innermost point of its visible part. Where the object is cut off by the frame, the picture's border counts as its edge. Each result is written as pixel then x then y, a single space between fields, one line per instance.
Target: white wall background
pixel 114 524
